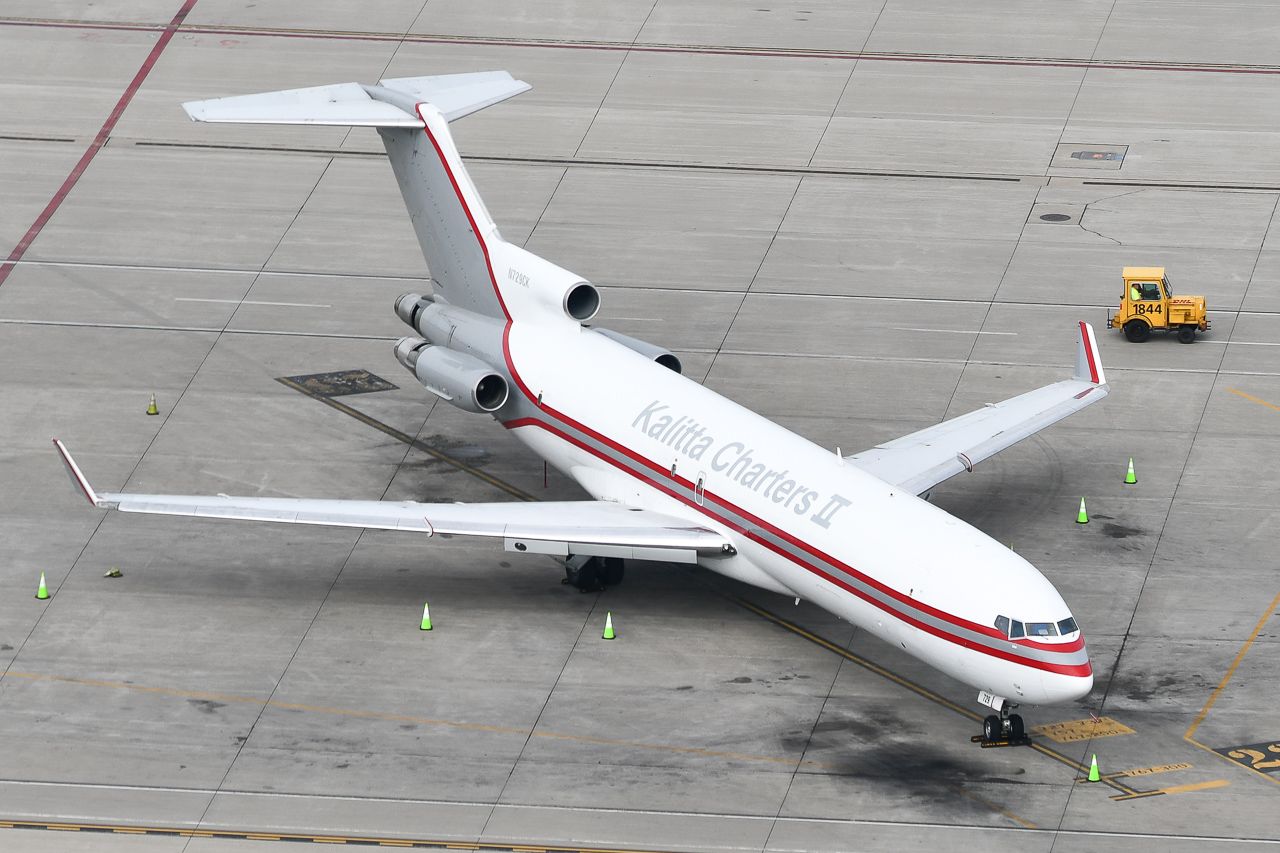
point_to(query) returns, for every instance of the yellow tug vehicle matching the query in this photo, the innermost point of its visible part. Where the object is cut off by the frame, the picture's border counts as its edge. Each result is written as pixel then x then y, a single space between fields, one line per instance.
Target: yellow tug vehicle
pixel 1148 303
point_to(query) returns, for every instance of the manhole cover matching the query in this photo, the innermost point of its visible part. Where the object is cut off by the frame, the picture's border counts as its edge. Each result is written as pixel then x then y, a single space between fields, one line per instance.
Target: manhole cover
pixel 342 382
pixel 1055 217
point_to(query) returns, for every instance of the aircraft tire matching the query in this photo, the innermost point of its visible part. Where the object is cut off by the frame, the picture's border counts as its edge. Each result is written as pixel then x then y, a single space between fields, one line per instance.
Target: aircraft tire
pixel 991 729
pixel 1017 729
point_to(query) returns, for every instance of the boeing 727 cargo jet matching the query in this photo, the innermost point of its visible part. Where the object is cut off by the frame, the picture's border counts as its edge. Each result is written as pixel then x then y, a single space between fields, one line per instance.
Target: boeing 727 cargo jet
pixel 677 472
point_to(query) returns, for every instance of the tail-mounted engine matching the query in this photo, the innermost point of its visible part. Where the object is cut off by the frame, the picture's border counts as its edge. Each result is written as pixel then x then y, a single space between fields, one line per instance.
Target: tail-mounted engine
pixel 461 379
pixel 653 352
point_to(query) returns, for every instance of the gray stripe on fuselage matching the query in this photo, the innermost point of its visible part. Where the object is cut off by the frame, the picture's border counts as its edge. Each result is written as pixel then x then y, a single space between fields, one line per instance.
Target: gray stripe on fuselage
pixel 726 514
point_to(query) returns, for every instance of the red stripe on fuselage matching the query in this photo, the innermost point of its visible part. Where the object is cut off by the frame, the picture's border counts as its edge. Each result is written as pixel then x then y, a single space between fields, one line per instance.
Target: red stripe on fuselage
pixel 1076 670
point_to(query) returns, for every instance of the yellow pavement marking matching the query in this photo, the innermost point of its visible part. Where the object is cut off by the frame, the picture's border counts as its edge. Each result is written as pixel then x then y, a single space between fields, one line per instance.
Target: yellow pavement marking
pixel 860 661
pixel 1231 670
pixel 243 834
pixel 896 679
pixel 1136 795
pixel 1151 771
pixel 1072 731
pixel 1195 786
pixel 1253 399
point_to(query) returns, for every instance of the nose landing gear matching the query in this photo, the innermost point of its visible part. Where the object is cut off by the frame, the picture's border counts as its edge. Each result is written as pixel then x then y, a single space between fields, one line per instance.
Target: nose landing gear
pixel 1001 728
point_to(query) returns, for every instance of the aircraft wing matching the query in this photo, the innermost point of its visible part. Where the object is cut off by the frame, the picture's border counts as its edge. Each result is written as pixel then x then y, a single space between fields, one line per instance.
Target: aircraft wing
pixel 587 528
pixel 923 459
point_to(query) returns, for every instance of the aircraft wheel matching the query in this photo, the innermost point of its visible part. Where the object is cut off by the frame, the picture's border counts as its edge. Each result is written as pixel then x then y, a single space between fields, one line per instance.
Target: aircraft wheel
pixel 1137 331
pixel 1186 334
pixel 1017 729
pixel 991 729
pixel 612 571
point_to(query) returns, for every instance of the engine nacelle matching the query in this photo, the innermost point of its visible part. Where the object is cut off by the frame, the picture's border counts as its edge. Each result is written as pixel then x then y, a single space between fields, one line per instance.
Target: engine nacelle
pixel 580 301
pixel 453 327
pixel 650 351
pixel 461 379
pixel 531 280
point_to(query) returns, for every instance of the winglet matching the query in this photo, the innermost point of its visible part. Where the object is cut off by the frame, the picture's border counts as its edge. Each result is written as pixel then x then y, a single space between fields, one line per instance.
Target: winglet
pixel 77 477
pixel 1088 362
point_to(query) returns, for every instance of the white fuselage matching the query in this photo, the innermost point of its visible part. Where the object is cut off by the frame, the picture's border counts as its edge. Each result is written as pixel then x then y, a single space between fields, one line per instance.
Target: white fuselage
pixel 803 521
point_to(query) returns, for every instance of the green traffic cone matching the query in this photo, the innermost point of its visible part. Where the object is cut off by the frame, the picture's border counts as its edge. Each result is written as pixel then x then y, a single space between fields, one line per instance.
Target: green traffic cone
pixel 43 592
pixel 426 618
pixel 1082 517
pixel 152 409
pixel 1094 775
pixel 608 626
pixel 1130 478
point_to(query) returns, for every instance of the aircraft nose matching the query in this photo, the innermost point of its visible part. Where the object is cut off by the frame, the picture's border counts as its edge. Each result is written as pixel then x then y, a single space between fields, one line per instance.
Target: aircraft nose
pixel 1060 688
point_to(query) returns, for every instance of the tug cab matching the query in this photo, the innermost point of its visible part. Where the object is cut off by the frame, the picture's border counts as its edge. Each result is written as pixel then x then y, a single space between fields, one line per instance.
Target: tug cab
pixel 1148 302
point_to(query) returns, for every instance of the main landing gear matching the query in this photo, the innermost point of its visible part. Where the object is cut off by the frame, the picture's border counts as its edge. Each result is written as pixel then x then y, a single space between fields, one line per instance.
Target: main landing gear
pixel 593 574
pixel 1001 728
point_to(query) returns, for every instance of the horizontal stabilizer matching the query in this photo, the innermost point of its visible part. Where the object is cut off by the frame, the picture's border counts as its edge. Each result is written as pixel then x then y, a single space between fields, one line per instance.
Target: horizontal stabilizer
pixel 458 95
pixel 342 104
pixel 357 105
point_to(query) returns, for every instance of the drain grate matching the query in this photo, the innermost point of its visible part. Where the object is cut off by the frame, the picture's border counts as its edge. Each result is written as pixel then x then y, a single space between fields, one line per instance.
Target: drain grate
pixel 342 382
pixel 1080 155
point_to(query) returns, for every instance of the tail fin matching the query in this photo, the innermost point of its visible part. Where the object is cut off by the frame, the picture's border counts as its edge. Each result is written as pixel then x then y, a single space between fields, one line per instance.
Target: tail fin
pixel 411 114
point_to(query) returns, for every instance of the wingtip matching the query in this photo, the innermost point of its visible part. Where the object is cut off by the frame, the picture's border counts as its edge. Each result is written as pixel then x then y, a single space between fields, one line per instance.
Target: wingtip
pixel 77 476
pixel 1088 361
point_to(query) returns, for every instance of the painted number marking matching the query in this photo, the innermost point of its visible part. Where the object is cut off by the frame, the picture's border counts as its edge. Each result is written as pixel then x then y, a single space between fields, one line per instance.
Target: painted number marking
pixel 1078 730
pixel 1263 757
pixel 1144 308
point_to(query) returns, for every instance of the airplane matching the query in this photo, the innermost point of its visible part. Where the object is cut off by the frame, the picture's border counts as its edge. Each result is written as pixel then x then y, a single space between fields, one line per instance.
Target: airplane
pixel 676 472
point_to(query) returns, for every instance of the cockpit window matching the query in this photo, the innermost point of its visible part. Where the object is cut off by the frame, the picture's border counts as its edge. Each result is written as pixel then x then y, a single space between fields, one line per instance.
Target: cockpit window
pixel 1015 630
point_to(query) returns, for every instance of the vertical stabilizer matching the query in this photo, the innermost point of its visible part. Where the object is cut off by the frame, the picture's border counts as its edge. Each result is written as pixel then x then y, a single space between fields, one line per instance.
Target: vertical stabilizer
pixel 446 211
pixel 412 116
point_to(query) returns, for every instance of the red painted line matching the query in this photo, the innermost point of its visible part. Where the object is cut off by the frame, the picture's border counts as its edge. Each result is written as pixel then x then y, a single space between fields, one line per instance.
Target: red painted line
pixel 98 141
pixel 1018 62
